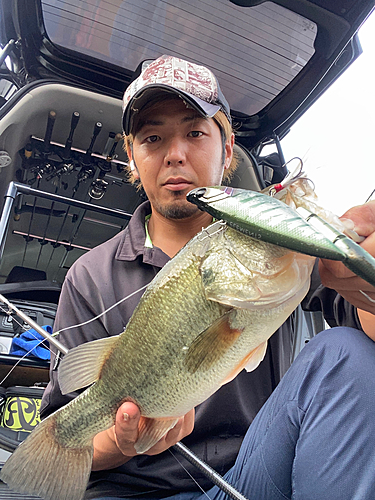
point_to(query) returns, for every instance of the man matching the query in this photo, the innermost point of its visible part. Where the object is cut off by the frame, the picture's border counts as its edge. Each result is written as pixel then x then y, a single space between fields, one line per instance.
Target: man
pixel 317 422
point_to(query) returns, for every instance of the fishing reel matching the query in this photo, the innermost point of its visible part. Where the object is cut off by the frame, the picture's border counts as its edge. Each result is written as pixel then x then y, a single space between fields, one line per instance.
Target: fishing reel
pixel 52 161
pixel 98 189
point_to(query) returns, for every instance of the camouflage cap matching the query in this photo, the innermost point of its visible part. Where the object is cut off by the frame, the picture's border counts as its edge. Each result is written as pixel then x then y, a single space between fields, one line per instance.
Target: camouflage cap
pixel 195 84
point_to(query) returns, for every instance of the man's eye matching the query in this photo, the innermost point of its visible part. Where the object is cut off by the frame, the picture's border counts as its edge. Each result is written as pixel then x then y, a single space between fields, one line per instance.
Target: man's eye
pixel 152 138
pixel 195 133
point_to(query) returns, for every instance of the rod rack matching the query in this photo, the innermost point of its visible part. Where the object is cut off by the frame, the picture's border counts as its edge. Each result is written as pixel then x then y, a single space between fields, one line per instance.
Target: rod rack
pixel 16 188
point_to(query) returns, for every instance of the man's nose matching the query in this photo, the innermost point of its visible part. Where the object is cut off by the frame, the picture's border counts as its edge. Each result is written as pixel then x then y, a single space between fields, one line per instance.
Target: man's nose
pixel 175 154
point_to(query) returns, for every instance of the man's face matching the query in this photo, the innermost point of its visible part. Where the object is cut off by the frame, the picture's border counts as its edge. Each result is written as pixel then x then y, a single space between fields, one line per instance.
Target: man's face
pixel 176 150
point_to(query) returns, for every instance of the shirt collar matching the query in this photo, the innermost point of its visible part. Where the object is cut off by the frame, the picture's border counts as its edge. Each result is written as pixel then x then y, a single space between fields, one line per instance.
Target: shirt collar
pixel 132 244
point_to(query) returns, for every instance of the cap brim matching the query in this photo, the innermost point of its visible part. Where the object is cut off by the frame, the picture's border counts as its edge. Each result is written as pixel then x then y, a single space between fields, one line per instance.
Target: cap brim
pixel 140 98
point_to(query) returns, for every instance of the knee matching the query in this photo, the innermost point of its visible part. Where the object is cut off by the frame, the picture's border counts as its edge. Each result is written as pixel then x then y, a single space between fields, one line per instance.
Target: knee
pixel 342 349
pixel 334 372
pixel 345 340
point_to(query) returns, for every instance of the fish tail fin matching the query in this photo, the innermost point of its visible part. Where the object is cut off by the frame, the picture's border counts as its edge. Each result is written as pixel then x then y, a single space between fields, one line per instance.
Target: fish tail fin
pixel 41 466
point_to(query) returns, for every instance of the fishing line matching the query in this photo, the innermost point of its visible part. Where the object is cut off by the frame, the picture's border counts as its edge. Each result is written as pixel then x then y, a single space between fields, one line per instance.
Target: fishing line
pixel 208 234
pixel 367 296
pixel 14 318
pixel 34 325
pixel 188 473
pixel 63 329
pixel 209 472
pixel 9 313
pixel 20 359
pixel 102 313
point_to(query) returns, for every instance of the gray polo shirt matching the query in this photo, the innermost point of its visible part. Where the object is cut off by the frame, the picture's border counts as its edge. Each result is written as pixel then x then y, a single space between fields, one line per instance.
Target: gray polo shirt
pixel 120 267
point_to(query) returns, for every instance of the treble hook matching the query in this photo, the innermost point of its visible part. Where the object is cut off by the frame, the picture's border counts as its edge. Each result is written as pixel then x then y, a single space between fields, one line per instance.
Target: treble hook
pixel 290 178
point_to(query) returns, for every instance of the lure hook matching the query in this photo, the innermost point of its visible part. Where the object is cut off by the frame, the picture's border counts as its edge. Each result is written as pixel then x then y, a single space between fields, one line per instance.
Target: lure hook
pixel 290 178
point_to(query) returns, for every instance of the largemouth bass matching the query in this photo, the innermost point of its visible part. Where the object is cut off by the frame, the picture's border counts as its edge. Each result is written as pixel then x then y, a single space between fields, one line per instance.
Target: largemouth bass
pixel 206 316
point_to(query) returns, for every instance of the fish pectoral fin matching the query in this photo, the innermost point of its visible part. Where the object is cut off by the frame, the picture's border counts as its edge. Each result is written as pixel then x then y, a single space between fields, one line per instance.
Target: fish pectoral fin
pixel 211 344
pixel 81 366
pixel 250 362
pixel 256 357
pixel 151 430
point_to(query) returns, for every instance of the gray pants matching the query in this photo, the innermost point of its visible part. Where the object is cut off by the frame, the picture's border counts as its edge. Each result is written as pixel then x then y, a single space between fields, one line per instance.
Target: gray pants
pixel 314 439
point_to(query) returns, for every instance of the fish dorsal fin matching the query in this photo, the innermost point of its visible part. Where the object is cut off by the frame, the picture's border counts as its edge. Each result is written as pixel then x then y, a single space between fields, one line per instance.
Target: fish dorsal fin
pixel 82 365
pixel 250 362
pixel 151 430
pixel 211 344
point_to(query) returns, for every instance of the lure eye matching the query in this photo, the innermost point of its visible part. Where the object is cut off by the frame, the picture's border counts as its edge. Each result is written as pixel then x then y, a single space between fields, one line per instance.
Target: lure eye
pixel 200 192
pixel 196 195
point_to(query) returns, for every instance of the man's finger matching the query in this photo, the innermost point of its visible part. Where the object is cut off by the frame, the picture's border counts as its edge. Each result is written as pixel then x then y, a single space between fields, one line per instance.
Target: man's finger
pixel 128 412
pixel 363 217
pixel 331 270
pixel 360 299
pixel 126 427
pixel 336 276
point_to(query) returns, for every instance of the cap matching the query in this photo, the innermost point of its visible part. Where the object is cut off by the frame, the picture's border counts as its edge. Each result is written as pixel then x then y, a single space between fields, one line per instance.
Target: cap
pixel 195 84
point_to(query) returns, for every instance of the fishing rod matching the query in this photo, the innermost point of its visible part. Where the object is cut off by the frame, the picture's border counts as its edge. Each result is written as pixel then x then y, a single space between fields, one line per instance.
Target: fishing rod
pixel 53 341
pixel 50 161
pixel 45 168
pixel 210 473
pixel 98 187
pixel 87 171
pixel 27 238
pixel 67 167
pixel 44 241
pixel 15 189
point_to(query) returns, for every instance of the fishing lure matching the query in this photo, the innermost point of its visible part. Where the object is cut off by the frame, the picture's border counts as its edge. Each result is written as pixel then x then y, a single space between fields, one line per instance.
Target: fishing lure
pixel 298 228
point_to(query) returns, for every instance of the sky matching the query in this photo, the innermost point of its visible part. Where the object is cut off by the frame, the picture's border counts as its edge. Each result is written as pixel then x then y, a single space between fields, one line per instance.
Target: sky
pixel 336 136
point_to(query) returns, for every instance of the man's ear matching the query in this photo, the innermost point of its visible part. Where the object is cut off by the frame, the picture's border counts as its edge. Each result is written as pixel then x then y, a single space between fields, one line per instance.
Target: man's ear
pixel 229 152
pixel 135 172
pixel 133 166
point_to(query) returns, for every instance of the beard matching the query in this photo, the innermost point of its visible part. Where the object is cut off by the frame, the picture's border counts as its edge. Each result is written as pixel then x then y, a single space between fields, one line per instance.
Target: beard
pixel 177 209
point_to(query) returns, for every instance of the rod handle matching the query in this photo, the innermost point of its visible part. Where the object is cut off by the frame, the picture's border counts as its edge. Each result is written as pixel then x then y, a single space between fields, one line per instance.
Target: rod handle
pixel 73 124
pixel 97 128
pixel 49 129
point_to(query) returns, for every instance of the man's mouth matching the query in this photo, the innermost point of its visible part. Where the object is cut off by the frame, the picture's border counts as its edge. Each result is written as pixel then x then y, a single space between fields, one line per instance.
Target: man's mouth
pixel 177 184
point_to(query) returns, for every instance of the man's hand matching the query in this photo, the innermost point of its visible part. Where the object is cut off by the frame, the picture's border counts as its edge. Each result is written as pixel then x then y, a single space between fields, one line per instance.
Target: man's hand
pixel 115 446
pixel 335 275
pixel 126 430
